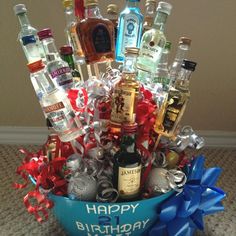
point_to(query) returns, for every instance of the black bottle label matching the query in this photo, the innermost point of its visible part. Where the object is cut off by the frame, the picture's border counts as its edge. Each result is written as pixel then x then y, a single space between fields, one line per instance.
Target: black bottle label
pixel 101 39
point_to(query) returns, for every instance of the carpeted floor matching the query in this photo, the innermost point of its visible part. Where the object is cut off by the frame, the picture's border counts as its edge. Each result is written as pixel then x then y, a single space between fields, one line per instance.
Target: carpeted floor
pixel 15 221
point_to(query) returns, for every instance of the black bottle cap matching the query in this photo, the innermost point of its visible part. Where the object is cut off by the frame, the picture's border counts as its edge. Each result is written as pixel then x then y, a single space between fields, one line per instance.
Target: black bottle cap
pixel 189 65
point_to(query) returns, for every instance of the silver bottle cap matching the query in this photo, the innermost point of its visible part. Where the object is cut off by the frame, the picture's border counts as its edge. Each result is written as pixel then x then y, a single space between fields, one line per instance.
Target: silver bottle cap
pixel 164 7
pixel 19 9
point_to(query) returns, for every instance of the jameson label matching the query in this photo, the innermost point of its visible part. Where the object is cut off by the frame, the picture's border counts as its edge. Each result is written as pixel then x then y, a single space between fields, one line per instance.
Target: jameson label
pixel 123 105
pixel 131 31
pixel 56 115
pixel 129 181
pixel 101 39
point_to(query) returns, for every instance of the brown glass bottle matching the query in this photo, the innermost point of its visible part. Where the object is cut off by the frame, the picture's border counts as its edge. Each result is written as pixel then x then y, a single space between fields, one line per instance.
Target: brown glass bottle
pixel 96 35
pixel 127 165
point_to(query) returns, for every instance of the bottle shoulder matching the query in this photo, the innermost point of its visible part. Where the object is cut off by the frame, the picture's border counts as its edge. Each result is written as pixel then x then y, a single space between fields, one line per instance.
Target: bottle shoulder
pixel 127 160
pixel 131 12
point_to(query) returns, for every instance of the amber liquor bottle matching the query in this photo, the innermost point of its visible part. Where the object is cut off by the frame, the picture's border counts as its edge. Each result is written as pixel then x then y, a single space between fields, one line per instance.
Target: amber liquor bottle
pixel 127 165
pixel 96 35
pixel 126 92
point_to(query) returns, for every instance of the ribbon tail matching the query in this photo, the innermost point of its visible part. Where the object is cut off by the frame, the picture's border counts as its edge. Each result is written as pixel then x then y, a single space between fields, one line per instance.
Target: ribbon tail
pixel 197 218
pixel 216 208
pixel 180 227
pixel 197 169
pixel 159 229
pixel 211 176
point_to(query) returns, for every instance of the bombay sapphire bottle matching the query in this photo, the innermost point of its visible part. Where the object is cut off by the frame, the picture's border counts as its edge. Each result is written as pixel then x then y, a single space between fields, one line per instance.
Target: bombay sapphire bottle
pixel 129 28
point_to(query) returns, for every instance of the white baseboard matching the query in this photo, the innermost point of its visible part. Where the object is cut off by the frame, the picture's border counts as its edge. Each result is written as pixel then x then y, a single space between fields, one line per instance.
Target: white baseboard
pixel 38 135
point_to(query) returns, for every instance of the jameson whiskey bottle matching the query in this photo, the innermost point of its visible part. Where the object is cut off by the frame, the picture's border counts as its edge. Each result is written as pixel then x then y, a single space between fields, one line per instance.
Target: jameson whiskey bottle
pixel 150 10
pixel 96 35
pixel 126 91
pixel 129 28
pixel 176 102
pixel 70 30
pixel 154 40
pixel 66 53
pixel 127 165
pixel 58 69
pixel 183 48
pixel 112 11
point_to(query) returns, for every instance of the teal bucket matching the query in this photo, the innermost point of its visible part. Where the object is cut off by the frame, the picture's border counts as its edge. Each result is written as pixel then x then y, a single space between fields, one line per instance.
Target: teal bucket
pixel 81 218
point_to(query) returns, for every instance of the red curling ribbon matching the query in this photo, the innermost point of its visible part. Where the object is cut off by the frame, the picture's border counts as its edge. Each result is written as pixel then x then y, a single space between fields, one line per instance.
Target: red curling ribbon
pixel 42 204
pixel 79 9
pixel 74 95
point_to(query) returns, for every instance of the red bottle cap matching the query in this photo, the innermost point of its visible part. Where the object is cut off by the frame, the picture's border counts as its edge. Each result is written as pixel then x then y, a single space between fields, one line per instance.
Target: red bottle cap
pixel 66 50
pixel 45 33
pixel 36 66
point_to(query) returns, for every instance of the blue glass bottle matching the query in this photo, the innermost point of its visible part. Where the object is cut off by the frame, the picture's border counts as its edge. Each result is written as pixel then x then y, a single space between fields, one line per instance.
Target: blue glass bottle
pixel 129 28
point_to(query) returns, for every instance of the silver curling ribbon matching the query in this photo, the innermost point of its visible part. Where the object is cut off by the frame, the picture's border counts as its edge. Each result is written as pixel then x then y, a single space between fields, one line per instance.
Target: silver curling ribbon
pixel 177 179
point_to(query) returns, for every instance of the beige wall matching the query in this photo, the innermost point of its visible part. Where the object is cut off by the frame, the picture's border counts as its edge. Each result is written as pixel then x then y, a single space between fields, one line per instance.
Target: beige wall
pixel 211 25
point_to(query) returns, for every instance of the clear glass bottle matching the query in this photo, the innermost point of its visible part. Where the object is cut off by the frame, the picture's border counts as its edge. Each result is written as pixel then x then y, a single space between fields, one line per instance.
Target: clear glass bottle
pixel 153 40
pixel 150 10
pixel 127 165
pixel 176 102
pixel 96 35
pixel 183 48
pixel 130 25
pixel 66 53
pixel 126 92
pixel 30 48
pixel 112 11
pixel 26 29
pixel 70 30
pixel 162 76
pixel 55 104
pixel 58 69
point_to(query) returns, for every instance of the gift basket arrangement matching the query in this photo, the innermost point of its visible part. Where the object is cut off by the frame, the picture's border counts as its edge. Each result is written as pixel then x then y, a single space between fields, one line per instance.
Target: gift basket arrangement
pixel 114 162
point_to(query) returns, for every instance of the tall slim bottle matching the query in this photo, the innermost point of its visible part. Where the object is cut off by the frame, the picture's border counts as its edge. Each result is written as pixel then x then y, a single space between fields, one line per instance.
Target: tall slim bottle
pixel 150 11
pixel 130 27
pixel 55 104
pixel 26 29
pixel 176 102
pixel 127 165
pixel 112 11
pixel 126 91
pixel 96 35
pixel 154 40
pixel 183 48
pixel 58 69
pixel 70 30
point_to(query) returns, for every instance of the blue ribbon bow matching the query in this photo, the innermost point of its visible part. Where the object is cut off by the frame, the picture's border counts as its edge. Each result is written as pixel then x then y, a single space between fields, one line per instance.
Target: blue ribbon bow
pixel 183 213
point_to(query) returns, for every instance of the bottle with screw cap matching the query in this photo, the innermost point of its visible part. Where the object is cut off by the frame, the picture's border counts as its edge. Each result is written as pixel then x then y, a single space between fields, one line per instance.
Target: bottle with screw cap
pixel 27 30
pixel 55 104
pixel 96 35
pixel 154 40
pixel 183 48
pixel 112 11
pixel 150 10
pixel 130 25
pixel 126 92
pixel 178 97
pixel 57 68
pixel 70 30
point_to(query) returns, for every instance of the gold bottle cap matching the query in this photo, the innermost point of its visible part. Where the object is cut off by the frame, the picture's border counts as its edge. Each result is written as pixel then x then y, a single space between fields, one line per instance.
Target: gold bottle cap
pixel 112 9
pixel 90 3
pixel 148 2
pixel 131 50
pixel 67 3
pixel 185 40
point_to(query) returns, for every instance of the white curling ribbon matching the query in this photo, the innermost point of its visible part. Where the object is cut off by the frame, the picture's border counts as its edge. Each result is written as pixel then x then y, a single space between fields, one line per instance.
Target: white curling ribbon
pixel 177 179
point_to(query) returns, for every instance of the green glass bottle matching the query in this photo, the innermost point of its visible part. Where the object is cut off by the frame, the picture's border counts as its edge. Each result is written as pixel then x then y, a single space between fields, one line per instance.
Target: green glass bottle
pixel 154 40
pixel 127 165
pixel 66 53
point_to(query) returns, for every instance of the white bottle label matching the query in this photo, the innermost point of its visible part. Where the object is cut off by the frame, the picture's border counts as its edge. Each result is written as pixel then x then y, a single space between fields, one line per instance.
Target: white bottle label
pixel 131 28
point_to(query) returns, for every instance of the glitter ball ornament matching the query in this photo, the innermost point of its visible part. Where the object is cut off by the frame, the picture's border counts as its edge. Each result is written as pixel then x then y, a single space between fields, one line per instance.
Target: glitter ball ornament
pixel 82 187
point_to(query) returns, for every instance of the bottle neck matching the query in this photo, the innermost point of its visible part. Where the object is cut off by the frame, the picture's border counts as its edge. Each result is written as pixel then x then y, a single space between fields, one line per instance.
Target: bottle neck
pixel 183 79
pixel 69 14
pixel 128 143
pixel 131 4
pixel 160 21
pixel 23 19
pixel 129 65
pixel 181 52
pixel 69 59
pixel 50 49
pixel 92 12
